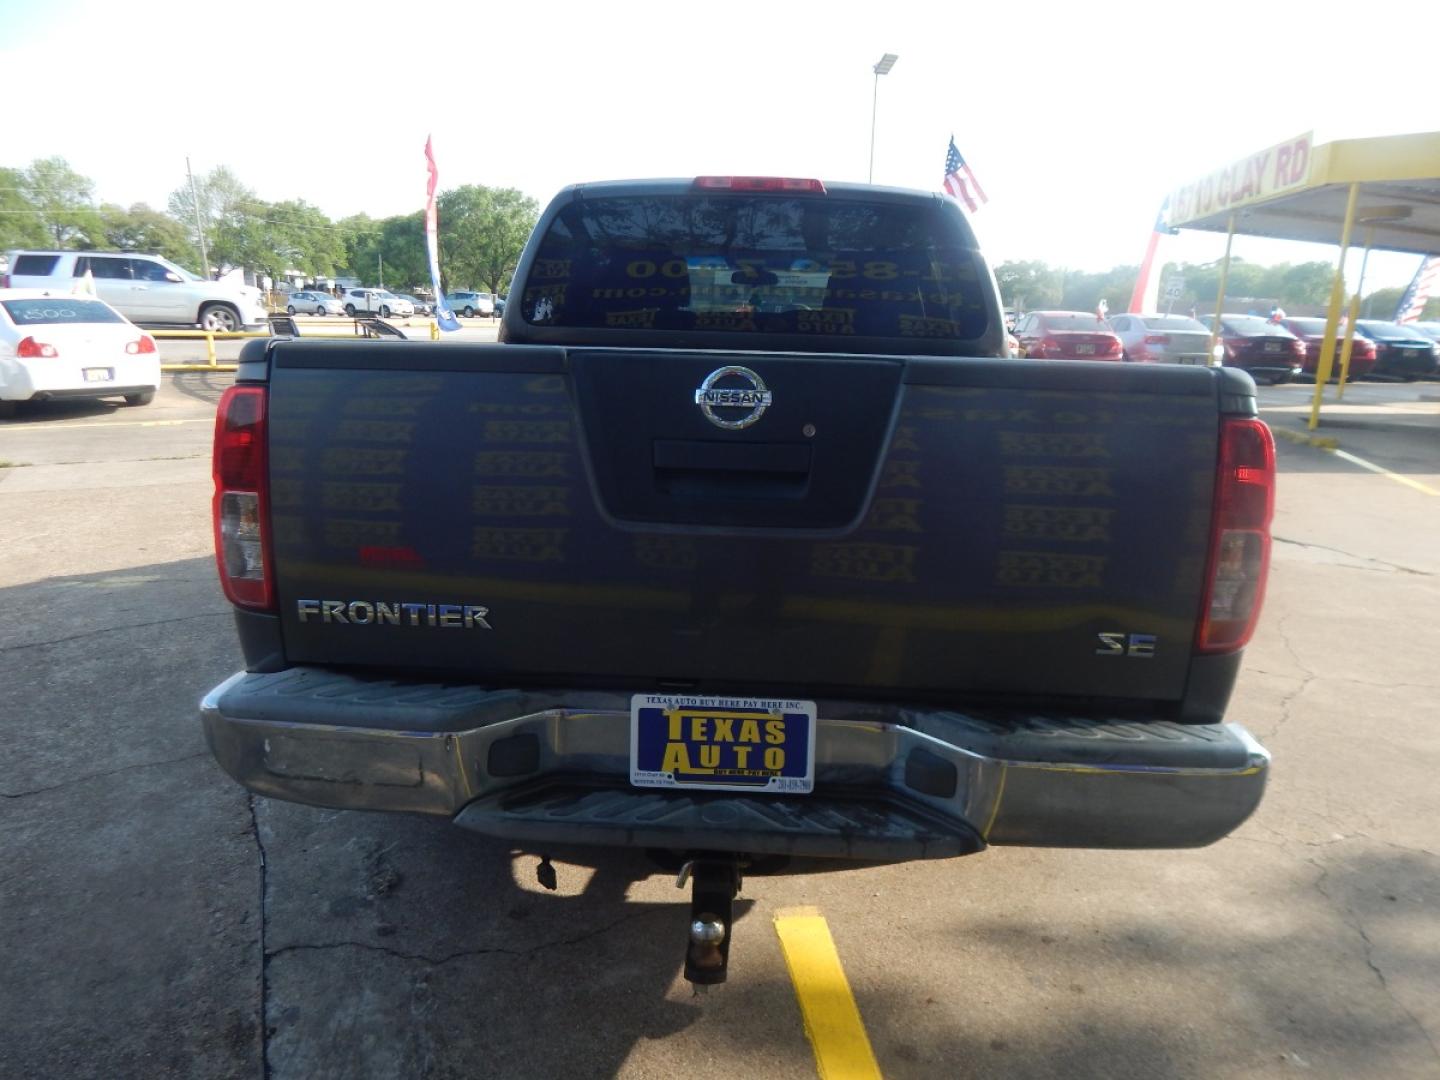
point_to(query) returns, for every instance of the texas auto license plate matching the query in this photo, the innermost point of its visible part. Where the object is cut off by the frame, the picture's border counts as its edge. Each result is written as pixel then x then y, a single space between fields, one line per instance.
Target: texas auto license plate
pixel 1272 346
pixel 724 744
pixel 1084 350
pixel 98 374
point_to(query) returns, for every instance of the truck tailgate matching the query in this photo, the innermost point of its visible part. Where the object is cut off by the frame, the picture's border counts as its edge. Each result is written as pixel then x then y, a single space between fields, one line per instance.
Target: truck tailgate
pixel 886 526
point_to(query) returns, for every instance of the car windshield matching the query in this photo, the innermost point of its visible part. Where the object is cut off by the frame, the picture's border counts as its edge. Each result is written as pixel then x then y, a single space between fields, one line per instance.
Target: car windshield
pixel 744 263
pixel 1174 322
pixel 186 274
pixel 58 311
pixel 1387 331
pixel 1074 320
pixel 1254 326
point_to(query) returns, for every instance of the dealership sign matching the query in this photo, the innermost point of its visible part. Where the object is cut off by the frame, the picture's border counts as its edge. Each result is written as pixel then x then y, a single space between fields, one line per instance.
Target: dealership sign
pixel 1259 176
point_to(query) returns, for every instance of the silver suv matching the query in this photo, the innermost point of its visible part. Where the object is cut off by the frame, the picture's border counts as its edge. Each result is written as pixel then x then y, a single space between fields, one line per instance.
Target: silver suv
pixel 470 303
pixel 144 288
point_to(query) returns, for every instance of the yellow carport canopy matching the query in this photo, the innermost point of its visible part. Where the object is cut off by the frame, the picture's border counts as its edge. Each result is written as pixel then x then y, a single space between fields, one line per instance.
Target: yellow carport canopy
pixel 1296 190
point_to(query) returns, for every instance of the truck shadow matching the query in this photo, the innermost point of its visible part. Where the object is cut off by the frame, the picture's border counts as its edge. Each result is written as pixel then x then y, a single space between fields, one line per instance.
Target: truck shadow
pixel 402 947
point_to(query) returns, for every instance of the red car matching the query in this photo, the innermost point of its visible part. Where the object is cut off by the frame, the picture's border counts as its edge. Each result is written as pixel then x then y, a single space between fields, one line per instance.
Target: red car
pixel 1067 335
pixel 1312 333
pixel 1265 349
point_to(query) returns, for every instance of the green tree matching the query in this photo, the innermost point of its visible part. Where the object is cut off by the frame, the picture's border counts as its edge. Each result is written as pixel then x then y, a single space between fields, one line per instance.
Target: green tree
pixel 1084 291
pixel 143 229
pixel 482 232
pixel 360 233
pixel 1028 285
pixel 402 243
pixel 21 224
pixel 1307 283
pixel 299 236
pixel 1381 304
pixel 63 198
pixel 227 210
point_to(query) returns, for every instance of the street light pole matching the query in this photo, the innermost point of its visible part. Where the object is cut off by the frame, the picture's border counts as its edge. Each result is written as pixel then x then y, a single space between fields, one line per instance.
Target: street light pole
pixel 882 67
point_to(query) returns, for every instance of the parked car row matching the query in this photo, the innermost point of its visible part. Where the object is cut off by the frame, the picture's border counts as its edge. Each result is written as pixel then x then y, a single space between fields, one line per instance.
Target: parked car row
pixel 1270 349
pixel 383 302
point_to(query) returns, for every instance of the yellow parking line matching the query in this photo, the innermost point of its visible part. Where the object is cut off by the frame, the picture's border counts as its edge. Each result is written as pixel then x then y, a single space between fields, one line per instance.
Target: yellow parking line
pixel 832 1020
pixel 1416 484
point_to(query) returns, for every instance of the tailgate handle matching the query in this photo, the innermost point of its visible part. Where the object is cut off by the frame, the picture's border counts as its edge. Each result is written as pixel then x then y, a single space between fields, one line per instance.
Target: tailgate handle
pixel 743 470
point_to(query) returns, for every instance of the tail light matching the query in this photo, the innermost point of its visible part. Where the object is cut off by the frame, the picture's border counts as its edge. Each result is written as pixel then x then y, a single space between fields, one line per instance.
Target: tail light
pixel 1113 347
pixel 242 499
pixel 1239 560
pixel 1157 339
pixel 1297 347
pixel 30 349
pixel 759 183
pixel 4 281
pixel 1048 345
pixel 141 346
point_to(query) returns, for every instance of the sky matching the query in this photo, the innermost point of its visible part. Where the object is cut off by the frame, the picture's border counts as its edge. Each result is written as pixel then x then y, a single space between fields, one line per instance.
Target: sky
pixel 1077 119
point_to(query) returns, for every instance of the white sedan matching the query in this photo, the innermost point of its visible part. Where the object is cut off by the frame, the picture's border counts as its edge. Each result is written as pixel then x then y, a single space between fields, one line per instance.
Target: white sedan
pixel 56 345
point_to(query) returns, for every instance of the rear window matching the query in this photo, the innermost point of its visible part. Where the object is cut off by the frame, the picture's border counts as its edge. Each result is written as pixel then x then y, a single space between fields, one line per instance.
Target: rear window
pixel 1175 322
pixel 757 264
pixel 36 265
pixel 57 311
pixel 1309 326
pixel 1388 331
pixel 1254 326
pixel 1077 321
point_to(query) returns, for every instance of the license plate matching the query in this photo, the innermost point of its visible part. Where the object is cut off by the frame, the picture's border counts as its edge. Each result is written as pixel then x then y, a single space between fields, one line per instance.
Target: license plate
pixel 98 374
pixel 1272 346
pixel 1084 350
pixel 722 744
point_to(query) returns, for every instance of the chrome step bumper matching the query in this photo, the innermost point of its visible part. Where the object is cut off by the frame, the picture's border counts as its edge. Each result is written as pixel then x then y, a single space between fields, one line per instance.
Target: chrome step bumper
pixel 891 782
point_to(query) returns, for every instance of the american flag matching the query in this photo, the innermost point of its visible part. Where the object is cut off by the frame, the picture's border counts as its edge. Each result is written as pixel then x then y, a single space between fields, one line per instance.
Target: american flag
pixel 960 182
pixel 1412 304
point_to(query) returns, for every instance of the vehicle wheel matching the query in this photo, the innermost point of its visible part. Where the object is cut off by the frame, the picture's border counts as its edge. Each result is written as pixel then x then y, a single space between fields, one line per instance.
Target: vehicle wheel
pixel 221 318
pixel 290 311
pixel 469 313
pixel 319 311
pixel 384 312
pixel 350 310
pixel 140 399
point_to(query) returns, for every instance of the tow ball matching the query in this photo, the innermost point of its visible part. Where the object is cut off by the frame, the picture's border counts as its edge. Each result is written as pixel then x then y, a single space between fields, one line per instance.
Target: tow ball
pixel 714 884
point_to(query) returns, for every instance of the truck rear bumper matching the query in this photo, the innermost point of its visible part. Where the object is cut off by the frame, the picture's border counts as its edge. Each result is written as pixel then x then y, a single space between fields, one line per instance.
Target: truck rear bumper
pixel 892 782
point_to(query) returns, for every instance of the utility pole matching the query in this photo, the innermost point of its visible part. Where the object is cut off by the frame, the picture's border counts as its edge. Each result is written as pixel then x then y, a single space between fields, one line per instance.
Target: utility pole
pixel 380 261
pixel 199 222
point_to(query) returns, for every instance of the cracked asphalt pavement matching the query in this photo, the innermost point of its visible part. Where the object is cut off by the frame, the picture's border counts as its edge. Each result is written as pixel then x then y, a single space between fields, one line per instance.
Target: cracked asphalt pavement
pixel 159 922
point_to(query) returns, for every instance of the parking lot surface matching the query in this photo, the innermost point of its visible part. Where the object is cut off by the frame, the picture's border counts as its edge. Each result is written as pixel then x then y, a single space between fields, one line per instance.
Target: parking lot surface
pixel 158 921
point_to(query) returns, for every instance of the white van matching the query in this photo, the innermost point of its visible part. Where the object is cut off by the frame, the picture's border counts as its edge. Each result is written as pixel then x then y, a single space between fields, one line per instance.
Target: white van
pixel 143 288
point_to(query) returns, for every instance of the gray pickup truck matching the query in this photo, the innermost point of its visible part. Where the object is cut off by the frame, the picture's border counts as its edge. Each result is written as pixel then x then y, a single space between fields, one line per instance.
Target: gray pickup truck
pixel 746 543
